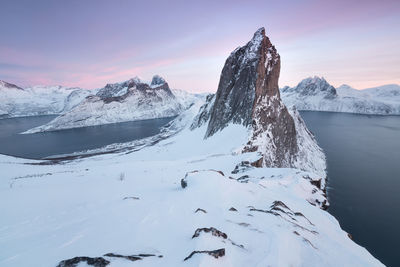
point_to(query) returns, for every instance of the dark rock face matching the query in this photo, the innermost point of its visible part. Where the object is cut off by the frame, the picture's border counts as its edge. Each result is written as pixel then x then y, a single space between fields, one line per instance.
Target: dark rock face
pixel 215 253
pixel 96 262
pixel 212 230
pixel 202 210
pixel 248 94
pixel 237 86
pixel 120 91
pixel 9 85
pixel 273 127
pixel 157 80
pixel 183 183
pixel 100 261
pixel 128 257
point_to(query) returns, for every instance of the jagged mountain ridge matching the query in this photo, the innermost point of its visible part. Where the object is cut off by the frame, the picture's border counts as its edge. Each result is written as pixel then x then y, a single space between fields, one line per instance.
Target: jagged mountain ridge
pixel 248 94
pixel 127 101
pixel 312 86
pixel 318 95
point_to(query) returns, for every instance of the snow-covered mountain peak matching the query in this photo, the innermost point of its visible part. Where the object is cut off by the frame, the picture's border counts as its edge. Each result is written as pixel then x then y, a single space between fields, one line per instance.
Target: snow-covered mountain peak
pixel 317 94
pixel 4 84
pixel 123 88
pixel 345 86
pixel 38 100
pixel 157 81
pixel 137 79
pixel 316 85
pixel 313 80
pixel 258 37
pixel 347 91
pixel 385 91
pixel 120 102
pixel 312 86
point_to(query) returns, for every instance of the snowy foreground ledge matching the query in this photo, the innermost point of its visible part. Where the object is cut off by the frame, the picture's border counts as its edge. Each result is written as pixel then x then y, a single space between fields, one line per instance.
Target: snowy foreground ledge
pixel 135 204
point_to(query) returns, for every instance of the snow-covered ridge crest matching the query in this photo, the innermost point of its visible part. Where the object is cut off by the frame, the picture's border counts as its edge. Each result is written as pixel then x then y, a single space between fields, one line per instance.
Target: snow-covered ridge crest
pixel 248 94
pixel 318 95
pixel 131 100
pixel 16 101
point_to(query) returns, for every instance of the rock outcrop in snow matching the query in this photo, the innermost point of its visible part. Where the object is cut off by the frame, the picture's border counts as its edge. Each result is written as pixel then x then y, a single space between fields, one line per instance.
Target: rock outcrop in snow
pixel 318 95
pixel 214 204
pixel 16 101
pixel 248 94
pixel 127 101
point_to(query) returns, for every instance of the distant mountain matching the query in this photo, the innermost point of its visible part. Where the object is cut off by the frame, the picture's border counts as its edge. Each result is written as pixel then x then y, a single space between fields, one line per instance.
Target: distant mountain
pixel 6 85
pixel 16 101
pixel 317 94
pixel 131 100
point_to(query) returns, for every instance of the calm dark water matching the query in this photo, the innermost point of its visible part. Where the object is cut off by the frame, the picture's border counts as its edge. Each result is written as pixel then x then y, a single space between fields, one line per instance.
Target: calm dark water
pixel 363 156
pixel 46 144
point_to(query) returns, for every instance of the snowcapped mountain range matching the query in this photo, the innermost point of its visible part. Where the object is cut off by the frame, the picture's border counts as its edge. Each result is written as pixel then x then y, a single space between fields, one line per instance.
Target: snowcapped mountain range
pixel 38 100
pixel 205 195
pixel 317 94
pixel 131 100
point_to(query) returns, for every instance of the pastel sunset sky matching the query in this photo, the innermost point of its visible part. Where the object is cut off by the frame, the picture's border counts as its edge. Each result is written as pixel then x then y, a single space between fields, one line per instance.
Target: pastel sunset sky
pixel 92 43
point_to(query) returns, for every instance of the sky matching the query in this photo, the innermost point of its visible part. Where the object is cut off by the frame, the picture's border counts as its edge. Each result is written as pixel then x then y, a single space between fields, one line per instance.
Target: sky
pixel 91 43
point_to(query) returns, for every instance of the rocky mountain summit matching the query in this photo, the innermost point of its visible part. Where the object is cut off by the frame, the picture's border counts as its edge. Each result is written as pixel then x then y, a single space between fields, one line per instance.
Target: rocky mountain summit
pixel 312 86
pixel 131 100
pixel 318 95
pixel 248 94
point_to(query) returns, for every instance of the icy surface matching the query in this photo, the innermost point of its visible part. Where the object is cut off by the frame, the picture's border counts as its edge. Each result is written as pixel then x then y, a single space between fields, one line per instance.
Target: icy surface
pixel 131 203
pixel 317 94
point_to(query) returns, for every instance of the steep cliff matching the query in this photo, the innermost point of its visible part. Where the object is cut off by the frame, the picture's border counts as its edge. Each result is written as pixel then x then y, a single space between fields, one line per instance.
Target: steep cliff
pixel 248 94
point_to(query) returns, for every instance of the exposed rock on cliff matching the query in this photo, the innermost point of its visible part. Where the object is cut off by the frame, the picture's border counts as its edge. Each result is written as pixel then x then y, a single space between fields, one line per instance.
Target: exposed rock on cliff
pixel 248 94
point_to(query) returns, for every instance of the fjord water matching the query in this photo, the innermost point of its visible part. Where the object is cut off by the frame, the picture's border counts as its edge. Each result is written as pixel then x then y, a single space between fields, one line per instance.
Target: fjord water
pixel 40 145
pixel 363 157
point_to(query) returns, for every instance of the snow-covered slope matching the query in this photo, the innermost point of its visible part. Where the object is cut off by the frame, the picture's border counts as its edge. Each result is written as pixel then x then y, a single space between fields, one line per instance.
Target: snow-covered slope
pixel 182 201
pixel 317 94
pixel 38 100
pixel 187 99
pixel 131 204
pixel 127 101
pixel 182 195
